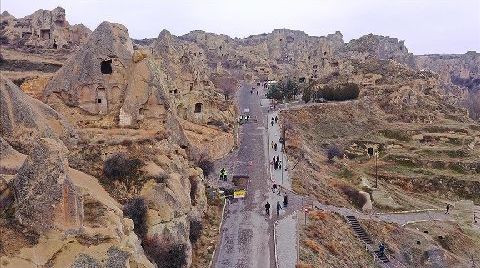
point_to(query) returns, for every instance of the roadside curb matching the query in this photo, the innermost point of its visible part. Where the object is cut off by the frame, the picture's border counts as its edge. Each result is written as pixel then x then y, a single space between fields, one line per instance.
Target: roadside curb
pixel 219 232
pixel 419 221
pixel 275 243
pixel 410 211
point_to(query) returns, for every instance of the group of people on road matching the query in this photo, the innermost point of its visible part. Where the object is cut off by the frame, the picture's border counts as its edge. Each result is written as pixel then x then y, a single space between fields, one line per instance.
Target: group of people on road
pixel 276 189
pixel 274 146
pixel 276 163
pixel 279 207
pixel 274 120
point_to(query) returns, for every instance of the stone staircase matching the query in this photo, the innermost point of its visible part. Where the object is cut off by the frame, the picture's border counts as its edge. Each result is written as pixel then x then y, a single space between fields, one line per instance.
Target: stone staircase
pixel 367 240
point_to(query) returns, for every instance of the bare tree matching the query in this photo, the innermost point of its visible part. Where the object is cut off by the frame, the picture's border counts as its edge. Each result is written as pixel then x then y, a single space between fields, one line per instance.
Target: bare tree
pixel 226 83
pixel 473 104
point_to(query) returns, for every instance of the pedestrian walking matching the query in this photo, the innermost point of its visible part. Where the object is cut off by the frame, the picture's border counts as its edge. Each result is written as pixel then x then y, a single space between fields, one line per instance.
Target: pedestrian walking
pixel 381 248
pixel 278 208
pixel 448 209
pixel 285 201
pixel 275 147
pixel 275 165
pixel 267 208
pixel 272 122
pixel 272 144
pixel 475 217
pixel 257 92
pixel 274 188
pixel 223 173
pixel 276 119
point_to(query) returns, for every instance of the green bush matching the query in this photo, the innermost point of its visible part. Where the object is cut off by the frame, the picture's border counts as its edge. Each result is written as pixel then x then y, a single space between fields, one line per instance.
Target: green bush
pixel 283 90
pixel 348 91
pixel 396 134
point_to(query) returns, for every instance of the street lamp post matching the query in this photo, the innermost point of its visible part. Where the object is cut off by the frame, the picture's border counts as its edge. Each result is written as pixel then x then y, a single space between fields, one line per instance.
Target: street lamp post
pixel 283 150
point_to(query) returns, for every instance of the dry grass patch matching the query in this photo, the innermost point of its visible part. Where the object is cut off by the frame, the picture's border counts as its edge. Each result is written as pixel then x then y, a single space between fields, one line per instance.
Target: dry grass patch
pixel 204 247
pixel 327 241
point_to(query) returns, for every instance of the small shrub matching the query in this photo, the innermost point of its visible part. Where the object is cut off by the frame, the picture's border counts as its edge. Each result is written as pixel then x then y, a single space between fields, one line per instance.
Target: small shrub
pixel 136 209
pixel 396 134
pixel 455 141
pixel 205 162
pixel 119 167
pixel 196 228
pixel 457 153
pixel 307 95
pixel 160 178
pixel 334 151
pixel 459 168
pixel 165 254
pixel 345 173
pixel 355 197
pixel 348 91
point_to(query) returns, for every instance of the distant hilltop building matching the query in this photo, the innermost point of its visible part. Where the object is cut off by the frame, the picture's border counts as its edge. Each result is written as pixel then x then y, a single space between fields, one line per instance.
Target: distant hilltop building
pixel 42 29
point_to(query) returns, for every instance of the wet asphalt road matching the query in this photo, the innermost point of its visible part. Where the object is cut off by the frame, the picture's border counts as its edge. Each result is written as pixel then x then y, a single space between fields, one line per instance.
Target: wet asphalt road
pixel 247 234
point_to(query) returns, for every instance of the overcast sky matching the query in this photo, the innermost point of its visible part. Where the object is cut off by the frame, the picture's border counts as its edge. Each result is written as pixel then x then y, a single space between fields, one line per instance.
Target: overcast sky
pixel 427 26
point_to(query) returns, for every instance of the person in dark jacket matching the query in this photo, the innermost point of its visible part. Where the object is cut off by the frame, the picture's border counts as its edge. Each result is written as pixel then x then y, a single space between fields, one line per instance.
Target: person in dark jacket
pixel 267 208
pixel 285 201
pixel 278 208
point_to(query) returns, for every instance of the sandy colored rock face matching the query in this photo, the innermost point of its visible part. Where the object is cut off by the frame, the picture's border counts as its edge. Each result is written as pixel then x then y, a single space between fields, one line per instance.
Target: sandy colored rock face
pixel 24 119
pixel 45 197
pixel 44 29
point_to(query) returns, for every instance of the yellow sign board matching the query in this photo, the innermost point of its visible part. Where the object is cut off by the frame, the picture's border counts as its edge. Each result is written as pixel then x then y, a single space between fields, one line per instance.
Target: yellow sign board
pixel 239 194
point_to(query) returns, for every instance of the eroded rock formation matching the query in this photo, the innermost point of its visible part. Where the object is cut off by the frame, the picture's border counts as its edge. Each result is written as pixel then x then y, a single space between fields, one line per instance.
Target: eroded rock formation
pixel 25 119
pixel 43 29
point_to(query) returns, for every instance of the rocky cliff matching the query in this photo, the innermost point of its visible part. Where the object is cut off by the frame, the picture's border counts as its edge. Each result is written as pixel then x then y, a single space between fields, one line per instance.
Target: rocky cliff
pixel 42 29
pixel 462 70
pixel 25 119
pixel 157 106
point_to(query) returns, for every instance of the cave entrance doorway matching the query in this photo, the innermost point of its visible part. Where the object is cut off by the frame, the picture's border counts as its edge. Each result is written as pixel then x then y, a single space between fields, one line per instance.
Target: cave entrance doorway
pixel 106 66
pixel 198 107
pixel 45 34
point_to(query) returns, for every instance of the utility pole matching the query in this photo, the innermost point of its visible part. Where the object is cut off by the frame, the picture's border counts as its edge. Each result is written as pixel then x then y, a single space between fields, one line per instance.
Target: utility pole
pixel 376 170
pixel 283 165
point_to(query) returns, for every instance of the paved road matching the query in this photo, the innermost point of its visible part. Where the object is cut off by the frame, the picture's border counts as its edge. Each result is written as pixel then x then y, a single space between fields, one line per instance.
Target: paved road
pixel 246 234
pixel 247 238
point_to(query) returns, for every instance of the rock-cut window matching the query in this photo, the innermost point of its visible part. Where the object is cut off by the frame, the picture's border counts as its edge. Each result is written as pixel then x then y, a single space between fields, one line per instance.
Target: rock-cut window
pixel 106 67
pixel 198 107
